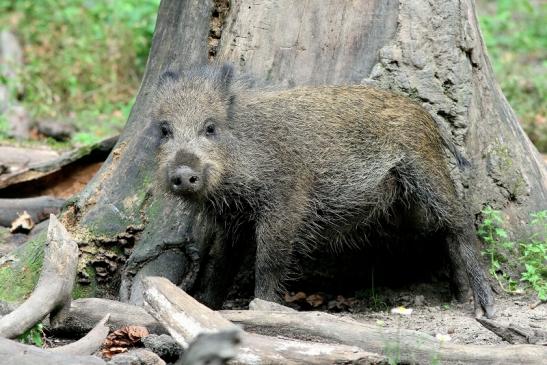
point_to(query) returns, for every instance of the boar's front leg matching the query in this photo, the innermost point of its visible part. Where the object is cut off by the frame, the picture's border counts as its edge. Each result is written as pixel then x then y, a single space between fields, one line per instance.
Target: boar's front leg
pixel 276 237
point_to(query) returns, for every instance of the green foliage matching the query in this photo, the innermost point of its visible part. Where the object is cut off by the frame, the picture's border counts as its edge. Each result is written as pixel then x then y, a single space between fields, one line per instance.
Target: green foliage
pixel 534 256
pixel 83 59
pixel 19 276
pixel 4 126
pixel 374 300
pixel 531 253
pixel 516 38
pixel 33 336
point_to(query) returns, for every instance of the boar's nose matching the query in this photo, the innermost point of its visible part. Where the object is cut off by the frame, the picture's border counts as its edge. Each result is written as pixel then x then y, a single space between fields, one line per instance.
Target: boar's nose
pixel 184 180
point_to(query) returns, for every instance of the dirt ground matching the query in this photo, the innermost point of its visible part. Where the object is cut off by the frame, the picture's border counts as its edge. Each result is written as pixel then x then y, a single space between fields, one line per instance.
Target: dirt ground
pixel 433 317
pixel 433 311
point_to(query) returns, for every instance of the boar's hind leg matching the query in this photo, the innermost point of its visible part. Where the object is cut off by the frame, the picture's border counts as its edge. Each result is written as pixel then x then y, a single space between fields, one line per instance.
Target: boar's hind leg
pixel 463 249
pixel 434 191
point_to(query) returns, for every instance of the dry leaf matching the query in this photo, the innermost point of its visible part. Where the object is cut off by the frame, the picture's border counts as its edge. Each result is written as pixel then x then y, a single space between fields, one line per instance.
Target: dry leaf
pixel 120 340
pixel 341 303
pixel 111 351
pixel 22 224
pixel 315 300
pixel 295 297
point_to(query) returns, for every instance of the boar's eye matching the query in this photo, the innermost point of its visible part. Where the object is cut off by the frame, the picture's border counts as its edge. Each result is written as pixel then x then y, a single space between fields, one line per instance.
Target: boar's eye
pixel 210 129
pixel 165 130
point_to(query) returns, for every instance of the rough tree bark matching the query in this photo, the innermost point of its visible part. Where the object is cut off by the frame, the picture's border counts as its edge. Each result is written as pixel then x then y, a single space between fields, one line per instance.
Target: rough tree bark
pixel 431 51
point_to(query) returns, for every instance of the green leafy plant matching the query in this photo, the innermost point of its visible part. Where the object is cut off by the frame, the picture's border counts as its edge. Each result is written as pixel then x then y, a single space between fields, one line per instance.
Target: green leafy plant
pixel 534 256
pixel 497 247
pixel 531 254
pixel 34 335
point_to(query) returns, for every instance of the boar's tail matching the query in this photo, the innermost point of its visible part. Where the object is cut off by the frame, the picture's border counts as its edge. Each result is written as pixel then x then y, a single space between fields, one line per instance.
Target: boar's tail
pixel 463 163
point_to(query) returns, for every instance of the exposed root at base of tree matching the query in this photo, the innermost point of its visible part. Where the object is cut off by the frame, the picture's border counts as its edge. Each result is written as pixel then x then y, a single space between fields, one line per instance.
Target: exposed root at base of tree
pixel 53 291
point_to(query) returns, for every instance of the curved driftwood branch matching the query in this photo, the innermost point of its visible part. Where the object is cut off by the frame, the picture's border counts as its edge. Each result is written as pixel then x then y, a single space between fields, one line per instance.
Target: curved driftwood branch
pixel 85 312
pixel 412 346
pixel 88 344
pixel 44 168
pixel 185 319
pixel 38 208
pixel 54 288
pixel 12 352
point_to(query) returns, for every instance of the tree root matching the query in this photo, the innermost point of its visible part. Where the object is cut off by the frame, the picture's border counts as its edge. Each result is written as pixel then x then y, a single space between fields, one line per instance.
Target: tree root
pixel 53 291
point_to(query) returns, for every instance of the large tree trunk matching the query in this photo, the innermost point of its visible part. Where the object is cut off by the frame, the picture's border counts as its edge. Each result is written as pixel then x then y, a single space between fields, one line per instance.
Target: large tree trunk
pixel 431 51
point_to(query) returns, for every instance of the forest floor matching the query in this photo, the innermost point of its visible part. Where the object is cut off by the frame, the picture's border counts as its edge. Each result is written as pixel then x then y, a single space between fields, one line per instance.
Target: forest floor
pixel 430 315
pixel 432 312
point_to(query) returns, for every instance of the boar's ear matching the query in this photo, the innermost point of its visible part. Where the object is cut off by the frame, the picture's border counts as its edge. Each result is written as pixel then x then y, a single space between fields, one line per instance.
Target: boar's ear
pixel 168 76
pixel 226 75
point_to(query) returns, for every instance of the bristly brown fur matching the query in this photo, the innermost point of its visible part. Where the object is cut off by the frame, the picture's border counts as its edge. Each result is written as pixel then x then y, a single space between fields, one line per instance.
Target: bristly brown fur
pixel 313 166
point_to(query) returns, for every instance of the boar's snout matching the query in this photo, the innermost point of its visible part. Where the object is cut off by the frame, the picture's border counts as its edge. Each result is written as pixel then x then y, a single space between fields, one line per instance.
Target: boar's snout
pixel 185 174
pixel 185 180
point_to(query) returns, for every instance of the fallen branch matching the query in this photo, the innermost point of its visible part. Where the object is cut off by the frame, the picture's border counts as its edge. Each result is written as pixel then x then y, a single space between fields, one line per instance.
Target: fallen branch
pixel 183 316
pixel 88 344
pixel 414 345
pixel 411 346
pixel 12 352
pixel 515 334
pixel 53 291
pixel 85 312
pixel 15 158
pixel 42 169
pixel 185 319
pixel 38 208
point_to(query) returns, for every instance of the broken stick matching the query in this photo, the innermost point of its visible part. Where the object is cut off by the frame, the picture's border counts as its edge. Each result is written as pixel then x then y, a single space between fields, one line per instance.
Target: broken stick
pixel 88 344
pixel 15 353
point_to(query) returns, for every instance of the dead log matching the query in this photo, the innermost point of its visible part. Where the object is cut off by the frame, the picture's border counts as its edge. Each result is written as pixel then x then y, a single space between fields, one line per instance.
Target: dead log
pixel 15 353
pixel 53 291
pixel 50 169
pixel 258 304
pixel 412 346
pixel 16 158
pixel 84 313
pixel 515 334
pixel 185 319
pixel 315 324
pixel 183 316
pixel 88 344
pixel 38 208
